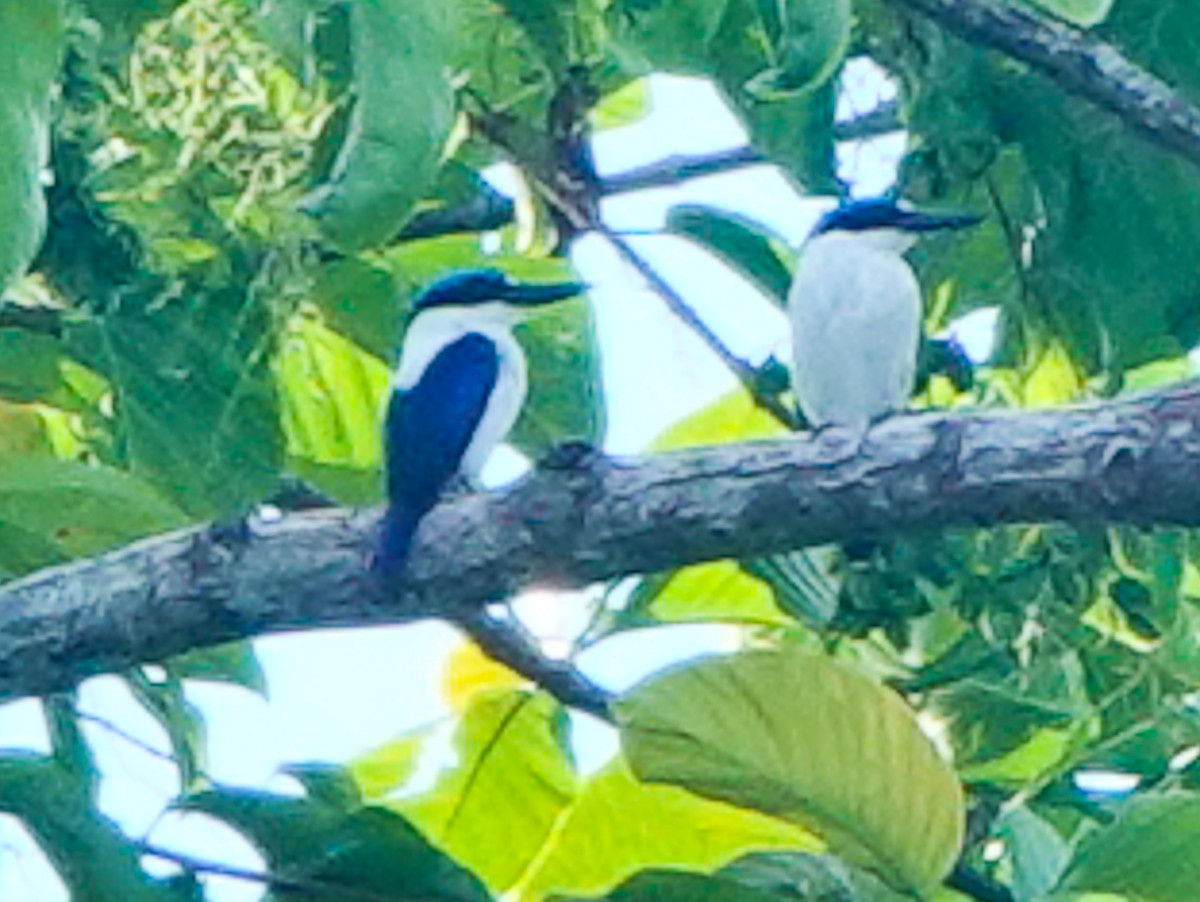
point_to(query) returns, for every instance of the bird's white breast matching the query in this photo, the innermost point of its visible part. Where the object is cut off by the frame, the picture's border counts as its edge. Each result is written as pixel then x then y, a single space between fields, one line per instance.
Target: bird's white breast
pixel 433 330
pixel 855 308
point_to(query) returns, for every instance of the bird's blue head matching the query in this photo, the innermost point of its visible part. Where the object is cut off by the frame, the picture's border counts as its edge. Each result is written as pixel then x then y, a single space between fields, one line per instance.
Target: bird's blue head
pixel 474 287
pixel 879 214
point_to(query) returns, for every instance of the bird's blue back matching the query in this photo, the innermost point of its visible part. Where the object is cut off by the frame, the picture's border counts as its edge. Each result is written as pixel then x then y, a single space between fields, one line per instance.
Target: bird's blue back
pixel 427 432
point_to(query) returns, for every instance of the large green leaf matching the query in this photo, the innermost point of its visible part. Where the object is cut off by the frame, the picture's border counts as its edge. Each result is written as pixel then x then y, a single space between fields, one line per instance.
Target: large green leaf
pixel 332 840
pixel 618 826
pixel 512 768
pixel 53 510
pixel 748 247
pixel 813 38
pixel 1038 853
pixel 93 857
pixel 196 410
pixel 734 42
pixel 403 110
pixel 331 397
pixel 28 68
pixel 801 737
pixel 1147 853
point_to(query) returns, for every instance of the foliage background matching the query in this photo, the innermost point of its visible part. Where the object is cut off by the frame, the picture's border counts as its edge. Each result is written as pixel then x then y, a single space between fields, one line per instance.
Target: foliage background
pixel 200 304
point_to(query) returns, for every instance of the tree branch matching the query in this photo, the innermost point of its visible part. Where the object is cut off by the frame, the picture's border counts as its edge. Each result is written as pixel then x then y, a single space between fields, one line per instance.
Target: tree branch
pixel 678 168
pixel 508 643
pixel 1128 461
pixel 744 371
pixel 1078 63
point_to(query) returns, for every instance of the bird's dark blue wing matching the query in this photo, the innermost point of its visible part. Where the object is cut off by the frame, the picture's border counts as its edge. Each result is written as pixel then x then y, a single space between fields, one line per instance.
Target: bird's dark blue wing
pixel 427 431
pixel 430 425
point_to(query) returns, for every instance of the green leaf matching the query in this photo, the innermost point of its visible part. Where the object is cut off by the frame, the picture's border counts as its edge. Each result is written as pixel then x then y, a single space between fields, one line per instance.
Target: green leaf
pixel 1084 13
pixel 750 248
pixel 182 722
pixel 386 768
pixel 512 768
pixel 618 826
pixel 93 857
pixel 720 591
pixel 53 510
pixel 843 757
pixel 403 110
pixel 813 38
pixel 28 68
pixel 233 662
pixel 624 106
pixel 1038 853
pixel 668 35
pixel 762 877
pixel 331 399
pixel 1147 853
pixel 371 850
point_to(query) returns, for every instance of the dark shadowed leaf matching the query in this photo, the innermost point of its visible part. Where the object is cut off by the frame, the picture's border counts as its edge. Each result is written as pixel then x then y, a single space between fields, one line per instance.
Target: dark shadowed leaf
pixel 1147 853
pixel 28 68
pixel 402 113
pixel 368 849
pixel 93 858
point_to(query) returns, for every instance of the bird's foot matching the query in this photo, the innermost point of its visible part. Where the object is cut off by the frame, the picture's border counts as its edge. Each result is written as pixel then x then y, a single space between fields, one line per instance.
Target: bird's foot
pixel 571 455
pixel 458 485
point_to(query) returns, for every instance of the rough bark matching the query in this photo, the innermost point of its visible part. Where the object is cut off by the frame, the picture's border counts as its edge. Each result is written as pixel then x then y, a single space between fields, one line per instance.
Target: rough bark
pixel 1130 461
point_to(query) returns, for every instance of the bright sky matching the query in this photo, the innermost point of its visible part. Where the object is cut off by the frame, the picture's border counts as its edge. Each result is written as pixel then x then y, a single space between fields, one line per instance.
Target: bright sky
pixel 335 694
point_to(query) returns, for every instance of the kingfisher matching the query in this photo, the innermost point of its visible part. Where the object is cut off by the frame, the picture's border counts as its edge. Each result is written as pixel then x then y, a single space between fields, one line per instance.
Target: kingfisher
pixel 456 392
pixel 855 310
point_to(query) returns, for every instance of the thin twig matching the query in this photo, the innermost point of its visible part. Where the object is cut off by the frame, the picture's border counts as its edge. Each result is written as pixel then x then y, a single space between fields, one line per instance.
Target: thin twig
pixel 507 642
pixel 745 372
pixel 120 733
pixel 305 886
pixel 678 168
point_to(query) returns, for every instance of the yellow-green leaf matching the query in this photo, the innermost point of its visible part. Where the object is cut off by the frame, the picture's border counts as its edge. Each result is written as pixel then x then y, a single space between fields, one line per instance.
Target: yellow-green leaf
pixel 801 737
pixel 618 826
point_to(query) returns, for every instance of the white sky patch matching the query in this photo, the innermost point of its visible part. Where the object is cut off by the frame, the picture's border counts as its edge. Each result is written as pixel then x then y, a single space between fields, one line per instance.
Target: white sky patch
pixel 976 333
pixel 1105 782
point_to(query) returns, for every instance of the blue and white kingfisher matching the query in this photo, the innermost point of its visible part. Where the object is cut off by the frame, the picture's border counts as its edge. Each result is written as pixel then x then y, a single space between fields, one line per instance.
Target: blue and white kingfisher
pixel 456 392
pixel 855 308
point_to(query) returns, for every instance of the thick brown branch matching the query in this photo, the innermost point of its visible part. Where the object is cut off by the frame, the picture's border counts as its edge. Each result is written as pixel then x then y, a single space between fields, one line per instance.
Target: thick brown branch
pixel 1078 63
pixel 1131 461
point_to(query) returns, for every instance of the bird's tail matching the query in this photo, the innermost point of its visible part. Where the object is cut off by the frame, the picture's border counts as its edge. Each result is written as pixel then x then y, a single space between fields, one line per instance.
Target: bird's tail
pixel 396 532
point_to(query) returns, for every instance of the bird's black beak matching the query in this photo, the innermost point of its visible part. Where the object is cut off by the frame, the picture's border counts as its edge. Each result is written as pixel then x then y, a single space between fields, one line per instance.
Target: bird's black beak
pixel 920 221
pixel 535 295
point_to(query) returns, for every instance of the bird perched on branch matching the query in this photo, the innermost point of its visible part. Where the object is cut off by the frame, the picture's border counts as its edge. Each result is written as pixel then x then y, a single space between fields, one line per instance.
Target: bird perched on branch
pixel 456 392
pixel 855 308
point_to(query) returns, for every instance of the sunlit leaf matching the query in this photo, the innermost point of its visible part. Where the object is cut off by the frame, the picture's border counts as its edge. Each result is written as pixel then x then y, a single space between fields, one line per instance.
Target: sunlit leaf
pixel 618 826
pixel 512 769
pixel 844 757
